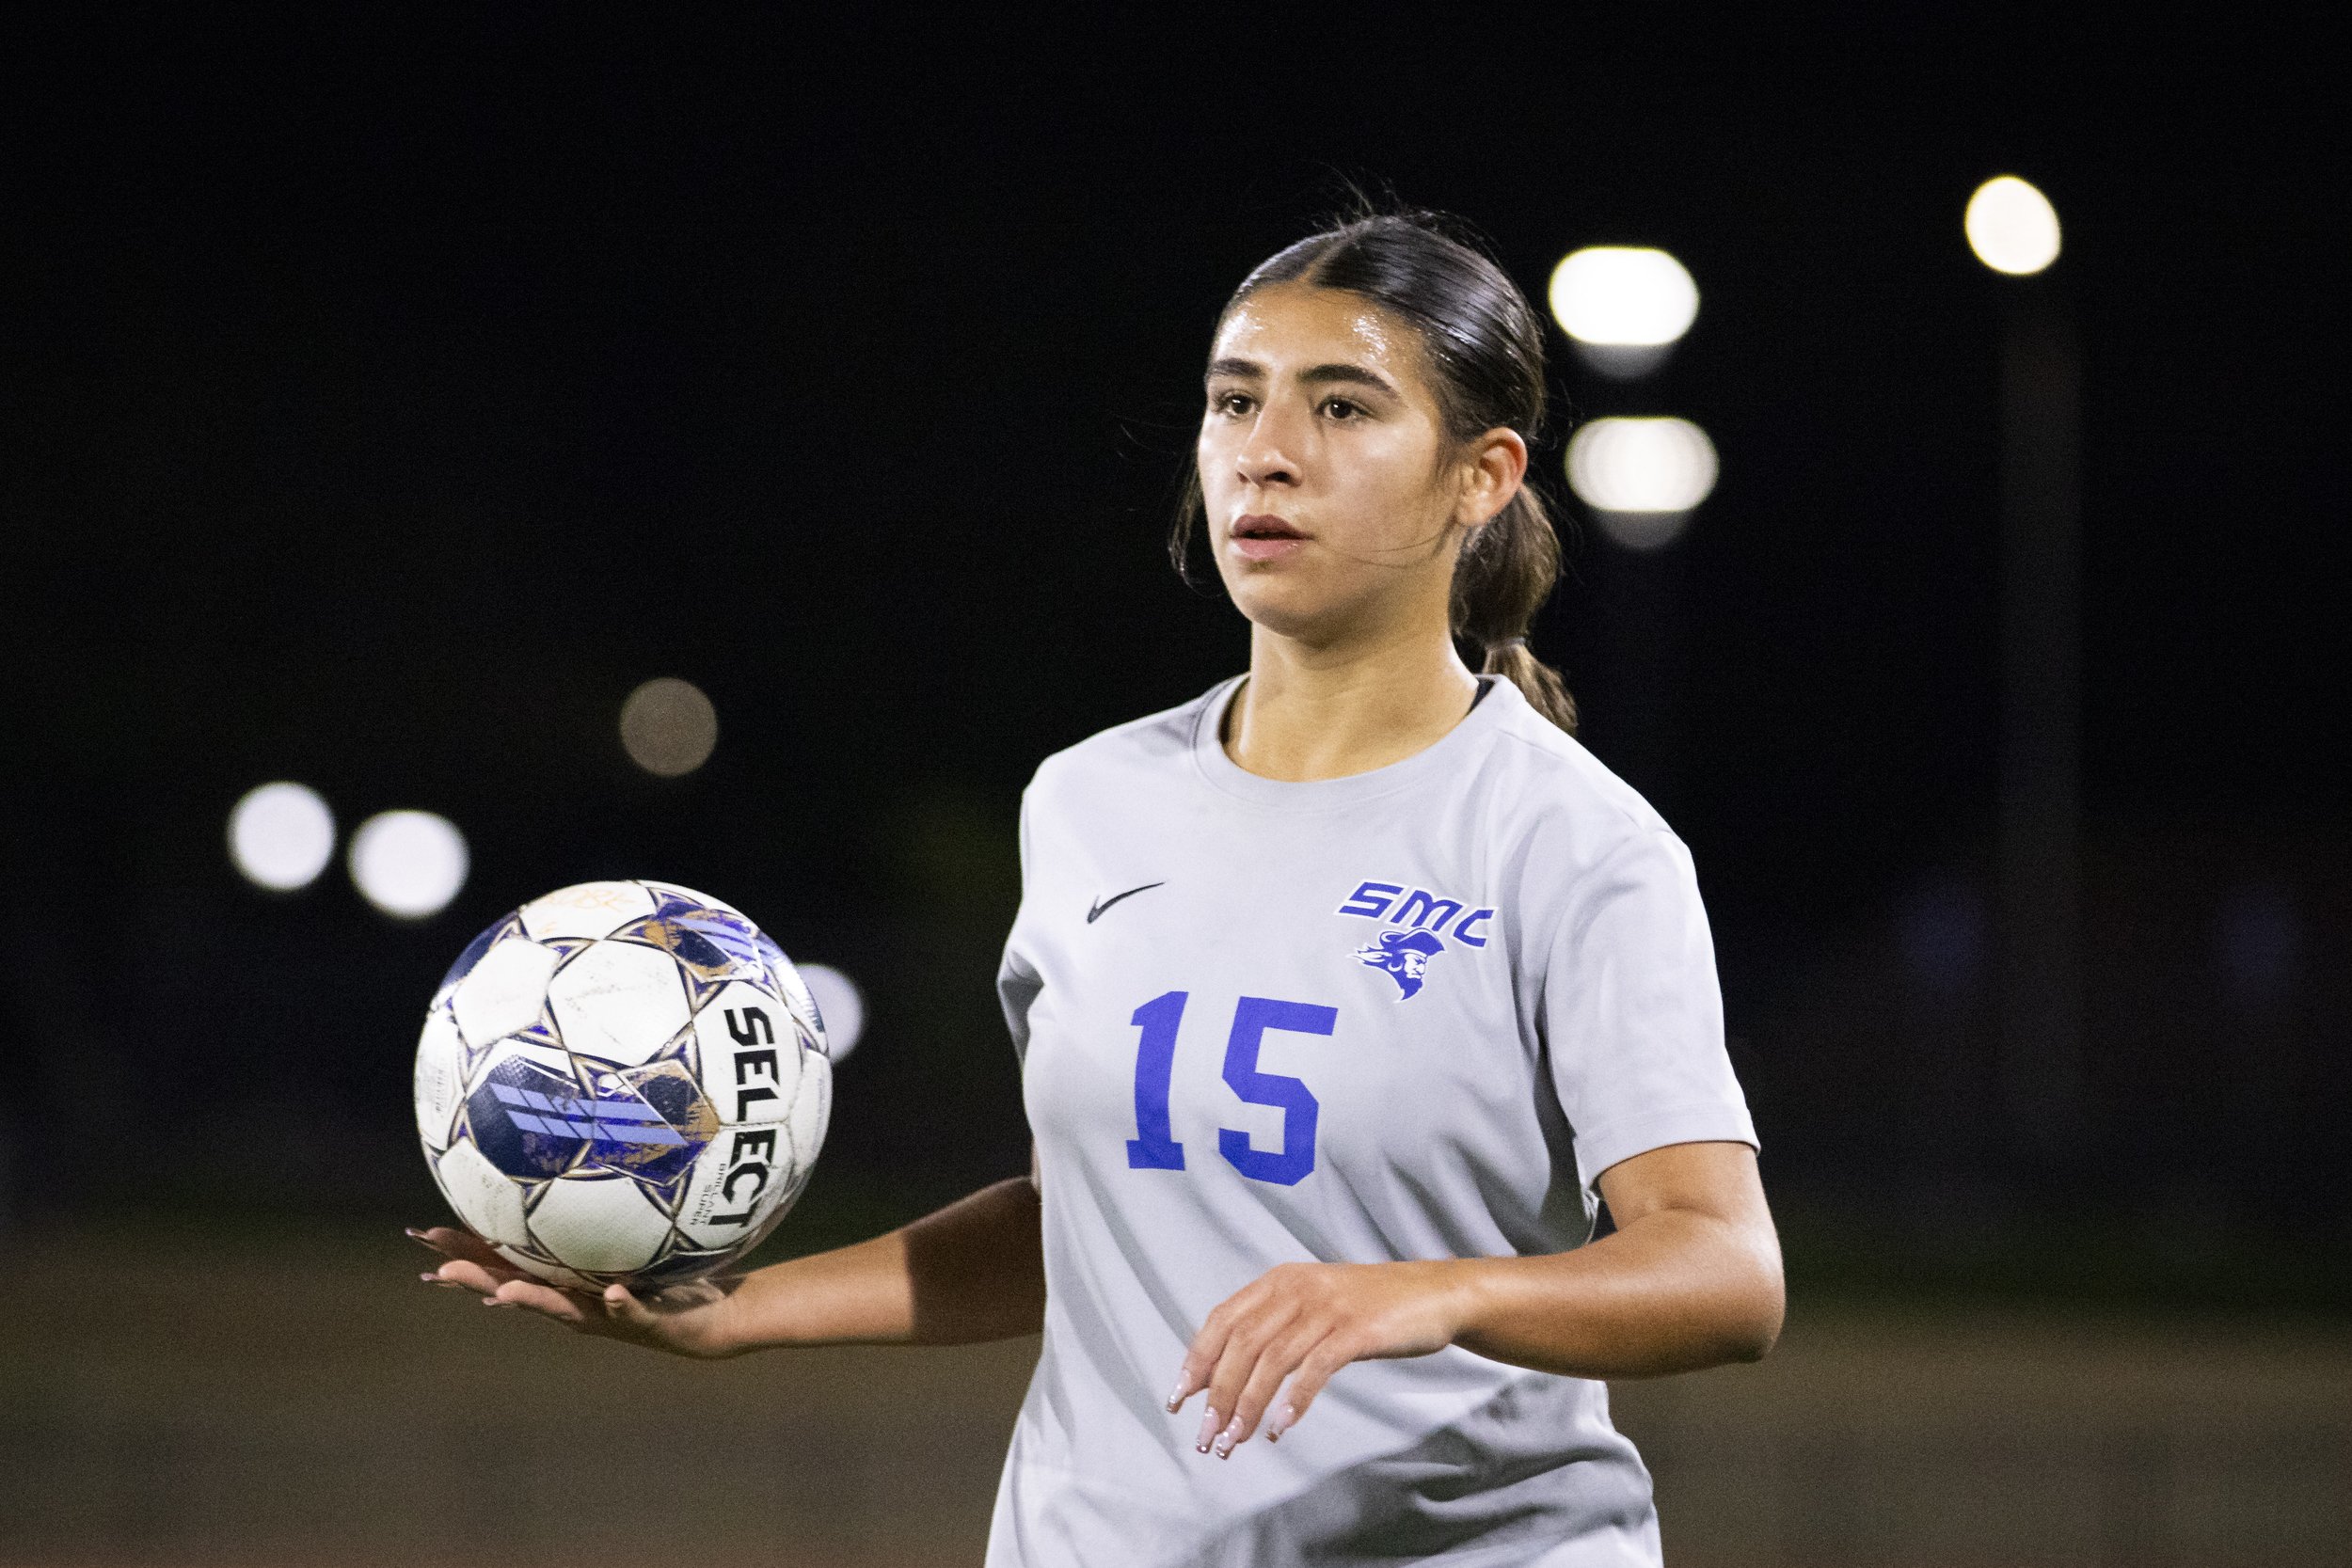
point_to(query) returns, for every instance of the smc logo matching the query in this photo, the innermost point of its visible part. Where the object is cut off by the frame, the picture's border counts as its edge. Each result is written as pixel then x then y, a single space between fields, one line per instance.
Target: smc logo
pixel 1418 908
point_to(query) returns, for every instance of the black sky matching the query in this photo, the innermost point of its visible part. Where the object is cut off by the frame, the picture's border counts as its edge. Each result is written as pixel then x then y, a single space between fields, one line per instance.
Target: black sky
pixel 388 396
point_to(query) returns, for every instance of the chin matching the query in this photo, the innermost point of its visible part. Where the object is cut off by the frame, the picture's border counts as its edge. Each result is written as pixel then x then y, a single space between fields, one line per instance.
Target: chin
pixel 1286 606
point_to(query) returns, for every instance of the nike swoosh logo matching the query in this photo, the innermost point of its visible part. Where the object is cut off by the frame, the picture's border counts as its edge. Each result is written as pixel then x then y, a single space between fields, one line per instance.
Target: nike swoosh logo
pixel 1095 912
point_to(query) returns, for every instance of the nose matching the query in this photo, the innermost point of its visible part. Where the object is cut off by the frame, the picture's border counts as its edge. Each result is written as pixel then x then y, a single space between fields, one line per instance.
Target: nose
pixel 1264 460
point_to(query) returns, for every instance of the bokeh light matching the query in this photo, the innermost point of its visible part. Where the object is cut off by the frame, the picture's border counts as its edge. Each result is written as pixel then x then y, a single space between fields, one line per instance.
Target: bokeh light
pixel 408 863
pixel 282 835
pixel 840 1004
pixel 1623 296
pixel 669 727
pixel 1641 476
pixel 2011 226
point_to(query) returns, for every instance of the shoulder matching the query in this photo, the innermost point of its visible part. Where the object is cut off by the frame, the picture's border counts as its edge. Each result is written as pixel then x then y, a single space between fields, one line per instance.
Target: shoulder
pixel 1565 830
pixel 1153 746
pixel 1546 781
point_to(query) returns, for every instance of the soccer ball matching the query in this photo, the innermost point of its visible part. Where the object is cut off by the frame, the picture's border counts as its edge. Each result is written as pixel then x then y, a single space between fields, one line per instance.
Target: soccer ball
pixel 622 1082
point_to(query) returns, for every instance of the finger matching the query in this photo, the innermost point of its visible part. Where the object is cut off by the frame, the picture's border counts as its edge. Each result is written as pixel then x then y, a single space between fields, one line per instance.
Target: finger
pixel 625 1309
pixel 473 1277
pixel 451 1243
pixel 1243 1348
pixel 1187 1384
pixel 1277 1362
pixel 1315 1371
pixel 546 1300
pixel 1200 1357
pixel 688 1320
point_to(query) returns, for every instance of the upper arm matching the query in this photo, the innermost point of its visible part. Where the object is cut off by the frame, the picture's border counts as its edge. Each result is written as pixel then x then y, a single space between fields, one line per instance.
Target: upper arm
pixel 1697 1210
pixel 1715 1181
pixel 1632 1017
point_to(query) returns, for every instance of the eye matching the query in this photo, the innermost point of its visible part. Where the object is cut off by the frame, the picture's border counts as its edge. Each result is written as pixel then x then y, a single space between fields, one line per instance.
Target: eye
pixel 1230 405
pixel 1341 409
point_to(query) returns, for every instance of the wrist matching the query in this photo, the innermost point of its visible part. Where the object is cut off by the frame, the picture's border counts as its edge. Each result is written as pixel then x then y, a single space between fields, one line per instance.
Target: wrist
pixel 1461 1287
pixel 724 1334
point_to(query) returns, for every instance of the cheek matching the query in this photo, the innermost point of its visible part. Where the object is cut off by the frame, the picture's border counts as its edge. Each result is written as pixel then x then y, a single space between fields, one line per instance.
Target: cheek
pixel 1213 461
pixel 1386 494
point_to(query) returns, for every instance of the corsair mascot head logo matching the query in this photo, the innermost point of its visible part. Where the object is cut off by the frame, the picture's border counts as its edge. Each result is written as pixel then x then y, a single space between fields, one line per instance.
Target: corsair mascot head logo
pixel 1405 955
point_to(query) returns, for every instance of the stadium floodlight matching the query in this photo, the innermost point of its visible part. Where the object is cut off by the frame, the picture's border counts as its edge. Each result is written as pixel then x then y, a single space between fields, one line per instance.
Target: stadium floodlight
pixel 1642 476
pixel 408 863
pixel 839 1002
pixel 669 727
pixel 282 835
pixel 2011 226
pixel 1625 306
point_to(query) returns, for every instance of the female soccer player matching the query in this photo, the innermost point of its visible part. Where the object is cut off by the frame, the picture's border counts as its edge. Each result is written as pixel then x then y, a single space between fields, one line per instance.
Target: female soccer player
pixel 1340 991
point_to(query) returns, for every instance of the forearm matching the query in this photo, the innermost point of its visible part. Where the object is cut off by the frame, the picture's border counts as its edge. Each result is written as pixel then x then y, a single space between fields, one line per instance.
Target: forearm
pixel 971 1271
pixel 1673 1291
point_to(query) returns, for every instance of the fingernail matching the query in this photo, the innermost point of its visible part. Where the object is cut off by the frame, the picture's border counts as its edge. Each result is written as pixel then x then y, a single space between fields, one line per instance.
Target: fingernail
pixel 1283 1419
pixel 1176 1395
pixel 493 1301
pixel 1226 1439
pixel 1208 1429
pixel 433 1278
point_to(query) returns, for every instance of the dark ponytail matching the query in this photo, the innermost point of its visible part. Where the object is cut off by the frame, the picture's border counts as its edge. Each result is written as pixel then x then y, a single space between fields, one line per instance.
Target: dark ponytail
pixel 1484 346
pixel 1505 573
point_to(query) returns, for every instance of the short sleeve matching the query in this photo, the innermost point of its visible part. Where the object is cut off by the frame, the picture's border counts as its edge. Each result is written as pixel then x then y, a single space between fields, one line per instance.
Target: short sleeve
pixel 1633 1015
pixel 1018 982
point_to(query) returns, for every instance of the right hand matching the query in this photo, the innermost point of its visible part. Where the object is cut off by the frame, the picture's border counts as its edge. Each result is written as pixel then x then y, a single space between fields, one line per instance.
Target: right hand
pixel 684 1320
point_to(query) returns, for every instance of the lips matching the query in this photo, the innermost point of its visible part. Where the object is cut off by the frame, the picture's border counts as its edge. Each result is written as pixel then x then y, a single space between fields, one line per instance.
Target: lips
pixel 1263 537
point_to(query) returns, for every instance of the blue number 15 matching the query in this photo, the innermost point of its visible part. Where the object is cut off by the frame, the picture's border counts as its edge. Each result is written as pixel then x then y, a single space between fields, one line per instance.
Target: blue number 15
pixel 1154 1147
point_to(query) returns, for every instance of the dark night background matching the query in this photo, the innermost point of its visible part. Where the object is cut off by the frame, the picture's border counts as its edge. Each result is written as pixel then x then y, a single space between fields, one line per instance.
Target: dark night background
pixel 384 397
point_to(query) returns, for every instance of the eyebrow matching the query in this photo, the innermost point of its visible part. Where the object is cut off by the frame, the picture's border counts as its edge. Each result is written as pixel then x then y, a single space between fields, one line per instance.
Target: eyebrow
pixel 1317 375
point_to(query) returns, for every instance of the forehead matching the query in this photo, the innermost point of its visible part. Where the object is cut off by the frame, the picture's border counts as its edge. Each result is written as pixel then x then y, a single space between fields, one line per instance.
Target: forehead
pixel 1288 326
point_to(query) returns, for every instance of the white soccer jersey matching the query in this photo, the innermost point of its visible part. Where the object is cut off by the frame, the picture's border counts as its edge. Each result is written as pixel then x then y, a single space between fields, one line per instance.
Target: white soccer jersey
pixel 1408 1014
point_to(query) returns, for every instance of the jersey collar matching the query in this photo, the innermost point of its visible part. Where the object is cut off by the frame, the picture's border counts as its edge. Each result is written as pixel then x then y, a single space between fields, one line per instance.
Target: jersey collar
pixel 1448 752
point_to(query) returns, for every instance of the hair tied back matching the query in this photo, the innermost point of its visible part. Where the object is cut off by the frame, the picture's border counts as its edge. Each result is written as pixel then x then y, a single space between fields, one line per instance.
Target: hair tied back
pixel 1485 344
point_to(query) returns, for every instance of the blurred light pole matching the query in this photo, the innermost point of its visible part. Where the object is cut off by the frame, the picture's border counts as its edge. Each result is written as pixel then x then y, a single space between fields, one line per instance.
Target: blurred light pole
pixel 2013 230
pixel 1625 308
pixel 1642 477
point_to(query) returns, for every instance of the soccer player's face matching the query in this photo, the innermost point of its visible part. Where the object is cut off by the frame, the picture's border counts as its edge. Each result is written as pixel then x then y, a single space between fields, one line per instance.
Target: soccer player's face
pixel 1332 502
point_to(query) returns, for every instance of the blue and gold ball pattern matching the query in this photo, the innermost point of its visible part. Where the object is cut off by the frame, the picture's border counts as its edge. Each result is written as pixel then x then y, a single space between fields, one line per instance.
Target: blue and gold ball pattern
pixel 622 1081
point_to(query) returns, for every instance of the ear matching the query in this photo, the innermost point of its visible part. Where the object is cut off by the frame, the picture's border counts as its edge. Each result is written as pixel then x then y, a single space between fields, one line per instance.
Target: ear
pixel 1496 467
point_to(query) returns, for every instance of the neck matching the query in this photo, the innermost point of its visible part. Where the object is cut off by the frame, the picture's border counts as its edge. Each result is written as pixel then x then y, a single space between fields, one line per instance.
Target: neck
pixel 1325 710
